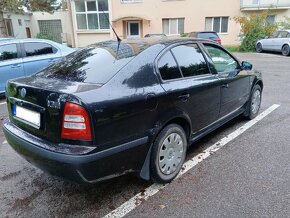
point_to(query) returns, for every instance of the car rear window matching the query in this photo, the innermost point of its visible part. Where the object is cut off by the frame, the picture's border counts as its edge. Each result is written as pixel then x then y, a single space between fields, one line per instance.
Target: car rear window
pixel 207 36
pixel 92 64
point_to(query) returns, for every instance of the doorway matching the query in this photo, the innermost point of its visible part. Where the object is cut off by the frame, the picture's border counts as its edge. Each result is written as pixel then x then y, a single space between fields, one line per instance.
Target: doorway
pixel 133 29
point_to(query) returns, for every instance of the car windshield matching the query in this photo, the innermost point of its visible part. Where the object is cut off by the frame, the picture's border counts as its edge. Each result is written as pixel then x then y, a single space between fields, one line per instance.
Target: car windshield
pixel 94 64
pixel 207 36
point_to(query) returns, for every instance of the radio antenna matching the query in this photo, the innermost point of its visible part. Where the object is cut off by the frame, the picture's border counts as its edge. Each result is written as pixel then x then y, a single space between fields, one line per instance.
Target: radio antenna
pixel 107 18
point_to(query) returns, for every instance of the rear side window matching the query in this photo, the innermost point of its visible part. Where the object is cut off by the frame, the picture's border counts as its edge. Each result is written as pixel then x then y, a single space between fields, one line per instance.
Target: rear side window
pixel 38 48
pixel 190 60
pixel 168 67
pixel 8 52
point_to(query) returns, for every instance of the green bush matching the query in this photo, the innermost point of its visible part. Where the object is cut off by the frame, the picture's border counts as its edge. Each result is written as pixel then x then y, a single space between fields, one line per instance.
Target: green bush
pixel 184 35
pixel 44 36
pixel 254 27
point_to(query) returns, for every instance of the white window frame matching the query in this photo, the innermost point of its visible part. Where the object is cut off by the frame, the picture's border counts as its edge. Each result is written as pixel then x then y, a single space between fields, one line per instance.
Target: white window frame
pixel 212 24
pixel 130 1
pixel 86 12
pixel 169 25
pixel 128 29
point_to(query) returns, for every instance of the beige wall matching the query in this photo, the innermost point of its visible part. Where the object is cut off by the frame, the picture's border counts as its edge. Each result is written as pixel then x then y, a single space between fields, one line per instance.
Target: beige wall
pixel 64 16
pixel 19 30
pixel 194 12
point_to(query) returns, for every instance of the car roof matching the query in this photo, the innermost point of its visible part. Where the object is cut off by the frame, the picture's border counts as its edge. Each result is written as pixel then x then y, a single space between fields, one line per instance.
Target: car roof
pixel 132 47
pixel 18 40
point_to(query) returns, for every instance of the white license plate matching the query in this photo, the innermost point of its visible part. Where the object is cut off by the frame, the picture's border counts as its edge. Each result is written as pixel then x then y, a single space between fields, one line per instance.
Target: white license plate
pixel 27 115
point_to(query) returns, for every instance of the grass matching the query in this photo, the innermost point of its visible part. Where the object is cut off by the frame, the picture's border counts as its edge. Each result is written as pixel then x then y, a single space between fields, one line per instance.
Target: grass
pixel 232 48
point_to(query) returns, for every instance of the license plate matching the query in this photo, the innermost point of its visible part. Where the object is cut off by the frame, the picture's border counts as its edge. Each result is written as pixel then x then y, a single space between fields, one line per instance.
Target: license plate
pixel 28 116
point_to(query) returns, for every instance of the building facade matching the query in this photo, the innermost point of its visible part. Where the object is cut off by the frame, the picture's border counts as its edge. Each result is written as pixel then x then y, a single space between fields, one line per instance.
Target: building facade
pixel 136 18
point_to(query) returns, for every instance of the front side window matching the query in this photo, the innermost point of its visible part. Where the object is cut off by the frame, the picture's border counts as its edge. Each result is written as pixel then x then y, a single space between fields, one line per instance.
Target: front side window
pixel 38 48
pixel 190 60
pixel 92 15
pixel 8 52
pixel 223 62
pixel 168 68
pixel 173 26
pixel 217 24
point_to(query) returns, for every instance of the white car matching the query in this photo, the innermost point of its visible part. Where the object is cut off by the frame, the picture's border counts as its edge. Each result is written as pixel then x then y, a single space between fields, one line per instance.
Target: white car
pixel 279 41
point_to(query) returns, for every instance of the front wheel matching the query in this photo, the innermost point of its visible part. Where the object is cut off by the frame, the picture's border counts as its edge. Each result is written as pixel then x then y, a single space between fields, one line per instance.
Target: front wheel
pixel 286 50
pixel 254 103
pixel 168 154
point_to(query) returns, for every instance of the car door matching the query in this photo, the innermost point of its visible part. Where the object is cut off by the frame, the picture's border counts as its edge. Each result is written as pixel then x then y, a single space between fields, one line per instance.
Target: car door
pixel 38 55
pixel 235 83
pixel 10 63
pixel 189 84
pixel 268 44
pixel 280 41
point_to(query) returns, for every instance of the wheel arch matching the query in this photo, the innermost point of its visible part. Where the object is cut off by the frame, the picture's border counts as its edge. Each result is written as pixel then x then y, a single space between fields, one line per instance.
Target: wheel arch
pixel 183 120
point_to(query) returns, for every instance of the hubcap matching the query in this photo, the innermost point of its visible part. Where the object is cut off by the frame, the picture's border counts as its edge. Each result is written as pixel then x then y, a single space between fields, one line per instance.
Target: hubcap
pixel 256 101
pixel 285 50
pixel 170 153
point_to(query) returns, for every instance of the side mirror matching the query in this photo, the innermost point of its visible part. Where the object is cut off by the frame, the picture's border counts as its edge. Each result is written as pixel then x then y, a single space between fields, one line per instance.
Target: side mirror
pixel 246 66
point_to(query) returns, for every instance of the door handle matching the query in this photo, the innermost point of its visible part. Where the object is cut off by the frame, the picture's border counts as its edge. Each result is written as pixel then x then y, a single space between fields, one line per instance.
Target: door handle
pixel 51 60
pixel 15 66
pixel 184 97
pixel 226 86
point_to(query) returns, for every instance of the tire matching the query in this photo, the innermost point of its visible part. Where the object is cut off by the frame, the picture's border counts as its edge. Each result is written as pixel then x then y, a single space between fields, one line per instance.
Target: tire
pixel 286 50
pixel 168 154
pixel 259 48
pixel 254 103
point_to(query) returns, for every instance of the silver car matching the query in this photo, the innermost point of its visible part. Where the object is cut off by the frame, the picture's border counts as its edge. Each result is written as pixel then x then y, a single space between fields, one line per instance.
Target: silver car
pixel 279 41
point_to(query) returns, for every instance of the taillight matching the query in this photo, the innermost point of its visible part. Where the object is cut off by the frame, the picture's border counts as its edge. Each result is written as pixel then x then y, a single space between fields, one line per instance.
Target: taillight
pixel 75 123
pixel 218 41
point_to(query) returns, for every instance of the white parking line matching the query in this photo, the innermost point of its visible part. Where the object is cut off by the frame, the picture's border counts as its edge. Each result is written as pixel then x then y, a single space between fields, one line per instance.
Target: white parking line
pixel 155 188
pixel 2 103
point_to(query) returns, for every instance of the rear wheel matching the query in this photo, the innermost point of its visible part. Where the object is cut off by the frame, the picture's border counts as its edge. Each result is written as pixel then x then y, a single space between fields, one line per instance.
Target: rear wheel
pixel 168 154
pixel 286 50
pixel 259 47
pixel 254 103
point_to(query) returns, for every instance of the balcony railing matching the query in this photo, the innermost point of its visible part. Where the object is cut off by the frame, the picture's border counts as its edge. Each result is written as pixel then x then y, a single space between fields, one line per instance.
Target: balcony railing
pixel 264 4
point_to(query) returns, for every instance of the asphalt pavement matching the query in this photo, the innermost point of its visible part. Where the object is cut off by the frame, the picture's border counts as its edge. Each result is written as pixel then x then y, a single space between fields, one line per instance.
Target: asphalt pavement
pixel 248 177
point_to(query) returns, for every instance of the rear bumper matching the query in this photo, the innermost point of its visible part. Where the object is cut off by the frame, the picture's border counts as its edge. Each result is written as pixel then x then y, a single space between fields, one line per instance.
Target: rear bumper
pixel 89 168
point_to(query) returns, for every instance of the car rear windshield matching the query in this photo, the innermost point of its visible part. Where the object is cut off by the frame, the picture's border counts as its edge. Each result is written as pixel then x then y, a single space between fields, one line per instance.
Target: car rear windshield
pixel 94 64
pixel 208 36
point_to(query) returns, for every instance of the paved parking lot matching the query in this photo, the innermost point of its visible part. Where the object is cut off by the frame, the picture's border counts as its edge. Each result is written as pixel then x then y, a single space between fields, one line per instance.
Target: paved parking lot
pixel 248 177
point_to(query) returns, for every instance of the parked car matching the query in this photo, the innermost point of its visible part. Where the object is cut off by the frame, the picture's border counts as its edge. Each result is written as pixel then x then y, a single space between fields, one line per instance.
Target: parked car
pixel 161 35
pixel 110 109
pixel 211 35
pixel 22 57
pixel 278 42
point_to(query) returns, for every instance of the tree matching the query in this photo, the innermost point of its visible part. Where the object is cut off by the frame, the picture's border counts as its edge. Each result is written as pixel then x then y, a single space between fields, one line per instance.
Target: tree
pixel 253 28
pixel 19 6
pixel 285 24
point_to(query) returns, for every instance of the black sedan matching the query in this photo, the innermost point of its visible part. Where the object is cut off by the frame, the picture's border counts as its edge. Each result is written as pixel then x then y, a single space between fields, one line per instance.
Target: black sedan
pixel 131 106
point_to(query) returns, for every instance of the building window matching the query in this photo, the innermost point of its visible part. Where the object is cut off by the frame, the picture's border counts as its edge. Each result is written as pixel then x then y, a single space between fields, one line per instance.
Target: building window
pixel 92 15
pixel 131 1
pixel 217 24
pixel 173 26
pixel 270 19
pixel 19 22
pixel 9 27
